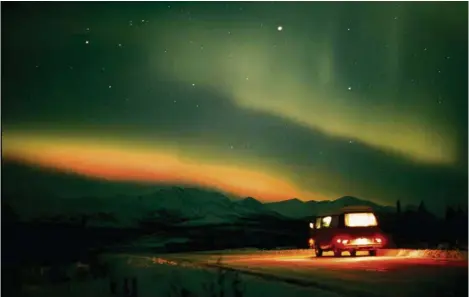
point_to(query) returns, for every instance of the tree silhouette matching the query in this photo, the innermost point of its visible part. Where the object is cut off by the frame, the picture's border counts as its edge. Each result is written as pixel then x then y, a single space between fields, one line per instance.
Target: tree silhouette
pixel 422 208
pixel 398 206
pixel 449 214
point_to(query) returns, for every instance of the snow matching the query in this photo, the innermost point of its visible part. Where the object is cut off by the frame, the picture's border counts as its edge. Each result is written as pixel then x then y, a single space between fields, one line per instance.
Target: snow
pixel 200 207
pixel 173 205
pixel 158 277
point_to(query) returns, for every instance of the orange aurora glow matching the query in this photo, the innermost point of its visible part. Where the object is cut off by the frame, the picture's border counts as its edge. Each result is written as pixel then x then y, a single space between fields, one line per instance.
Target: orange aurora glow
pixel 142 164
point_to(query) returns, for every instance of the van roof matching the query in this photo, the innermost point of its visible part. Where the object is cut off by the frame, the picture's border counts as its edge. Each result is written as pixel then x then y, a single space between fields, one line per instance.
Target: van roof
pixel 348 209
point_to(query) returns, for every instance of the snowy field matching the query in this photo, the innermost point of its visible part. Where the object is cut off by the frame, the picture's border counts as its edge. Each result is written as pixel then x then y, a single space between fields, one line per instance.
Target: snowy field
pixel 157 277
pixel 280 273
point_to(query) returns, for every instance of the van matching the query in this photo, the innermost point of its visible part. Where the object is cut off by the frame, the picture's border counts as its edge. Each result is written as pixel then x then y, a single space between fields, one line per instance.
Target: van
pixel 351 229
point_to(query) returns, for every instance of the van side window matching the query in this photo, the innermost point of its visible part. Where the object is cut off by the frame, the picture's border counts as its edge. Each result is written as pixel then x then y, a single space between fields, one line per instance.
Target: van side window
pixel 318 223
pixel 326 222
pixel 330 222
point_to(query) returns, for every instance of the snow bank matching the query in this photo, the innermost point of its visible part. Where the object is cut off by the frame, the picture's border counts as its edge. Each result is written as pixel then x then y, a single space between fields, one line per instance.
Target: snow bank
pixel 155 277
pixel 434 254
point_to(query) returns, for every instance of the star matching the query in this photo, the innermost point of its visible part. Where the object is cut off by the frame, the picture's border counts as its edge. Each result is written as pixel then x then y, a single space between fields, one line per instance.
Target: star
pixel 110 86
pixel 193 85
pixel 87 29
pixel 197 105
pixel 87 42
pixel 350 141
pixel 247 78
pixel 119 45
pixel 348 29
pixel 279 28
pixel 349 88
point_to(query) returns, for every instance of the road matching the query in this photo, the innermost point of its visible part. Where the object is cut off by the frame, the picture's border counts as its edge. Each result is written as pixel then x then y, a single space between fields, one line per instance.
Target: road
pixel 364 276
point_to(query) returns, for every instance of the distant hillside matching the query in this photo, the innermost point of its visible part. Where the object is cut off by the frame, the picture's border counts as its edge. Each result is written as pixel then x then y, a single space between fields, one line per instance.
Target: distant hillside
pixel 295 208
pixel 185 206
pixel 95 202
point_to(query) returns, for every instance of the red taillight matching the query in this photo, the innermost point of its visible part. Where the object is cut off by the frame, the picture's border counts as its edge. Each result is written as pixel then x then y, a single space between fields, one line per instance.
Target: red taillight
pixel 342 240
pixel 379 239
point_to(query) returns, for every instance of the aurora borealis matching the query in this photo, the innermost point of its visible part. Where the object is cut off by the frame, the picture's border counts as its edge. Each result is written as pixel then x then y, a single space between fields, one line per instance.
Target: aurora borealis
pixel 363 99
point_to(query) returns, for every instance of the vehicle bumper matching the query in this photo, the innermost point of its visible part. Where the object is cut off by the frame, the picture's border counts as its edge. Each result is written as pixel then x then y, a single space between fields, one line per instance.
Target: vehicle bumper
pixel 364 247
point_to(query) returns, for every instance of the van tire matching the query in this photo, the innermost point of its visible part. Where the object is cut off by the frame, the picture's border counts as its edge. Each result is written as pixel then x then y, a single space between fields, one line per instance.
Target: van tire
pixel 318 251
pixel 372 253
pixel 337 253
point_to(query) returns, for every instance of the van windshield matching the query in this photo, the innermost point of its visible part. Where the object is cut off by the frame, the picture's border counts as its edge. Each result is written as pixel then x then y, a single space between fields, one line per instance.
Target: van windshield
pixel 364 219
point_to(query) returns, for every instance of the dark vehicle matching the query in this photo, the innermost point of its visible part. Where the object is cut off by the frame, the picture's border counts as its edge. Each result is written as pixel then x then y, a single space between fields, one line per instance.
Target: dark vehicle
pixel 351 229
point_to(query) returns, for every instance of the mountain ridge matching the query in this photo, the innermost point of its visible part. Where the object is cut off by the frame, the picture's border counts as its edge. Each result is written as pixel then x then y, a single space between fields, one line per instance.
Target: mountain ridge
pixel 194 206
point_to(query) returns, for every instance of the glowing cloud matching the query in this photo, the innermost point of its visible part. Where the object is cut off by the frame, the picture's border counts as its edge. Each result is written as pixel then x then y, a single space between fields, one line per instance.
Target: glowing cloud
pixel 264 76
pixel 118 161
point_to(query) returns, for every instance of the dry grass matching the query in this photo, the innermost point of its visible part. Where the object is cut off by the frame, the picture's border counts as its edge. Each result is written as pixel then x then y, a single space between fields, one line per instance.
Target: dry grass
pixel 225 284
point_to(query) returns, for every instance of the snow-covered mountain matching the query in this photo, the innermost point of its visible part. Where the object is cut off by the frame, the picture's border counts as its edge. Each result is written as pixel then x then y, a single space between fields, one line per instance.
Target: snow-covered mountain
pixel 176 205
pixel 186 206
pixel 295 208
pixel 89 205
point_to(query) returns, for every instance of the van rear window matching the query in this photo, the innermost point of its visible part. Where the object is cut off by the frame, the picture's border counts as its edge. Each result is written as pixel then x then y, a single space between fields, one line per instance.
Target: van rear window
pixel 364 219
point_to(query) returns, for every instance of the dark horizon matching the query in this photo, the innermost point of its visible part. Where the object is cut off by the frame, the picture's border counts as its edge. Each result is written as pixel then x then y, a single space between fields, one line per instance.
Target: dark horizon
pixel 73 186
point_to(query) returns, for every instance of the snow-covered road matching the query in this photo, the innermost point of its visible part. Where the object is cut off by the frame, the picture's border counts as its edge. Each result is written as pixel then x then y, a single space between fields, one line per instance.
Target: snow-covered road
pixel 293 273
pixel 388 276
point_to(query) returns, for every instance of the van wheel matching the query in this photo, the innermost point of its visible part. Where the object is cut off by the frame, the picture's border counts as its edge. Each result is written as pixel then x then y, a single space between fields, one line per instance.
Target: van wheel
pixel 318 251
pixel 373 253
pixel 353 253
pixel 337 253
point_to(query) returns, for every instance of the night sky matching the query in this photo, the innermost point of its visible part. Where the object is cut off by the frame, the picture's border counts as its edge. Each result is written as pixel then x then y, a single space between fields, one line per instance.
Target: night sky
pixel 271 100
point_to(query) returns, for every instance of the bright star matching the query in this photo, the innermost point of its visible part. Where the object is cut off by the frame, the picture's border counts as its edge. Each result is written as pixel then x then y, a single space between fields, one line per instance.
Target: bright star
pixel 279 28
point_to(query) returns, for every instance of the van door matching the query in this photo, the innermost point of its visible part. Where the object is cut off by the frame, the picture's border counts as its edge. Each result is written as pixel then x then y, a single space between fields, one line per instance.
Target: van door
pixel 316 231
pixel 329 228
